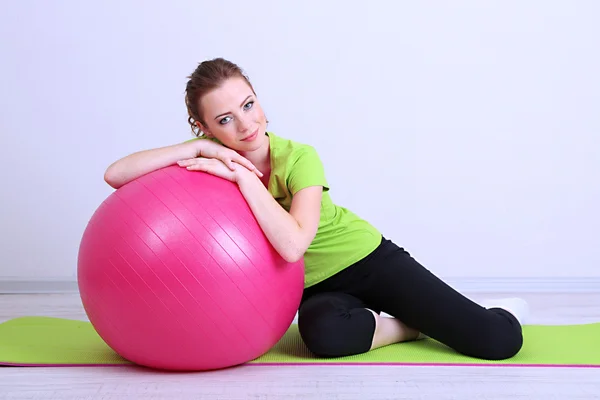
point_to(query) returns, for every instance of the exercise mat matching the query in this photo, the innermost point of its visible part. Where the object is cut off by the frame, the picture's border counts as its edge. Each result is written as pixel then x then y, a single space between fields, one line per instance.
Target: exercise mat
pixel 49 341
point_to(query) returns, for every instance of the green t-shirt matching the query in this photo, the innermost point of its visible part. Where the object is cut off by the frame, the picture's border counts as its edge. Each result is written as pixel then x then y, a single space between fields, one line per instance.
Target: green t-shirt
pixel 342 238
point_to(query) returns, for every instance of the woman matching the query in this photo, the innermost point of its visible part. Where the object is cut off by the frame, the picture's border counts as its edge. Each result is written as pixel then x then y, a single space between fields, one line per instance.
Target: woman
pixel 353 274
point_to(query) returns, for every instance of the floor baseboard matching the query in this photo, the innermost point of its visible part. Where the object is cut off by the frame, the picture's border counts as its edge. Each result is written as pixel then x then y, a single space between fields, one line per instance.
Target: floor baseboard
pixel 526 285
pixel 464 285
pixel 48 285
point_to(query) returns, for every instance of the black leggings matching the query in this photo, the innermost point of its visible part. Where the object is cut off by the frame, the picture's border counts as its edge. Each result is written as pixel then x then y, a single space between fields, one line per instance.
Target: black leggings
pixel 334 319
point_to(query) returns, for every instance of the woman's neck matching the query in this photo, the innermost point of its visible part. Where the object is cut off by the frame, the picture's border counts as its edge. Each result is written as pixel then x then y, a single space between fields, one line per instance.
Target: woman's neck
pixel 260 158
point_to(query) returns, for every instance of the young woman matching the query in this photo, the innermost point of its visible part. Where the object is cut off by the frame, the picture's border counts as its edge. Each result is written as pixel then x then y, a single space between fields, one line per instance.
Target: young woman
pixel 353 274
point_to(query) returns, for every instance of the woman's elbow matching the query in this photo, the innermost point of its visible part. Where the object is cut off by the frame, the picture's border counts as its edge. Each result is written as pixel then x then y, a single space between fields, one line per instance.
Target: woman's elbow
pixel 293 253
pixel 292 257
pixel 112 178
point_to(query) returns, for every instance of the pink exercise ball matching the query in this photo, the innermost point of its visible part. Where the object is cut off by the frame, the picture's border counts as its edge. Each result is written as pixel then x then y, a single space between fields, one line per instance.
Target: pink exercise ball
pixel 175 273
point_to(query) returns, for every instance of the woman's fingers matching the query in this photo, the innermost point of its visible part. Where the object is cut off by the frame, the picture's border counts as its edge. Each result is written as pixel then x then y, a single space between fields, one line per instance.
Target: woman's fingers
pixel 201 164
pixel 246 163
pixel 193 163
pixel 229 163
pixel 212 166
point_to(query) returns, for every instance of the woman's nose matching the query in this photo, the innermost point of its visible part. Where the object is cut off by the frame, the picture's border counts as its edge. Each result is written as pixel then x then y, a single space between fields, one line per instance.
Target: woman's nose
pixel 243 124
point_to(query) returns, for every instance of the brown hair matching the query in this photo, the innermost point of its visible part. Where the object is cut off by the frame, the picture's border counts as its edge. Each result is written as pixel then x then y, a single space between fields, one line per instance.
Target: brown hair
pixel 208 76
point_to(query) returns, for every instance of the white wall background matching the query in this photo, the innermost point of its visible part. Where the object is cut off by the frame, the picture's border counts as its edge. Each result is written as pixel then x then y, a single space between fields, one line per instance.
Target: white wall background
pixel 467 131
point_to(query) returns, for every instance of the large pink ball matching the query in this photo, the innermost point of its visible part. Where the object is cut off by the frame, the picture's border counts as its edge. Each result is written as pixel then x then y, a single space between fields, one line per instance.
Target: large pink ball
pixel 175 273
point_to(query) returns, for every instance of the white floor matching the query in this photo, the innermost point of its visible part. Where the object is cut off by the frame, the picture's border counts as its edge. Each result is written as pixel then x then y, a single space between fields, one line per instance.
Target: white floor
pixel 309 382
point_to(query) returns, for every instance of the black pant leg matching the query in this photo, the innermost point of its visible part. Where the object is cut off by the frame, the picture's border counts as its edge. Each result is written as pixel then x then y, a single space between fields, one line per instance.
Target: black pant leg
pixel 335 324
pixel 397 284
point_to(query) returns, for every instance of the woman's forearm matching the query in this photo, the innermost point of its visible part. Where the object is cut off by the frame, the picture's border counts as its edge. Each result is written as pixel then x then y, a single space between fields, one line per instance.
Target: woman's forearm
pixel 140 163
pixel 283 231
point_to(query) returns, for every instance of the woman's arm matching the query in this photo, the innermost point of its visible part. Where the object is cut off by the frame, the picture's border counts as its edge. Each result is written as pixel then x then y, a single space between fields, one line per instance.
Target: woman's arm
pixel 142 162
pixel 289 233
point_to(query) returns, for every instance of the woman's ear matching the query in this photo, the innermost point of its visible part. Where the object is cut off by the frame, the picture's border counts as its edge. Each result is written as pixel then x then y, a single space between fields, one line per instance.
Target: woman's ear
pixel 202 129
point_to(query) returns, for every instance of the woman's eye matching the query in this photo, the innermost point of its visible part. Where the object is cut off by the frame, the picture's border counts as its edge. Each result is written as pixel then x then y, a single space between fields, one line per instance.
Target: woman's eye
pixel 224 121
pixel 248 105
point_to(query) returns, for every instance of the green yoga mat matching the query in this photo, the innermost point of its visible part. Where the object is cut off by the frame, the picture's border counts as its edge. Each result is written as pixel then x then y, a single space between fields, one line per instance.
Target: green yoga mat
pixel 46 341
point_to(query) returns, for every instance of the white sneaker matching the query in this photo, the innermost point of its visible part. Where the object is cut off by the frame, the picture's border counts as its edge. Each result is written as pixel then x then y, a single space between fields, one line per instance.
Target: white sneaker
pixel 514 305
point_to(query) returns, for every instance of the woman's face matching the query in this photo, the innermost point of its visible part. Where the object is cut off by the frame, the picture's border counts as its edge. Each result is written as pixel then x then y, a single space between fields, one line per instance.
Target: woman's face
pixel 233 115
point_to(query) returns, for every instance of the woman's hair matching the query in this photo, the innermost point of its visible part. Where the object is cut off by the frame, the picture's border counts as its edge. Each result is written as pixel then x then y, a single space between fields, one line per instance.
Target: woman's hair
pixel 208 76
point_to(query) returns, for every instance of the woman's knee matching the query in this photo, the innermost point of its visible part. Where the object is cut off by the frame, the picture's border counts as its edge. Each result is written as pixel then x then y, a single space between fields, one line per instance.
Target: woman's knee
pixel 499 345
pixel 323 340
pixel 329 330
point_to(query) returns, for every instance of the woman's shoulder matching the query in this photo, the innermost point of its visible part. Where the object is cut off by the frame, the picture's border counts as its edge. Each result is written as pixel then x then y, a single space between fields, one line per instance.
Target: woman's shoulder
pixel 285 147
pixel 296 160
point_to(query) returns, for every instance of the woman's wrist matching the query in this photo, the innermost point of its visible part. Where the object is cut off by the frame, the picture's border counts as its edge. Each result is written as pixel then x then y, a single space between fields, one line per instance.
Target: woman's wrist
pixel 245 177
pixel 196 147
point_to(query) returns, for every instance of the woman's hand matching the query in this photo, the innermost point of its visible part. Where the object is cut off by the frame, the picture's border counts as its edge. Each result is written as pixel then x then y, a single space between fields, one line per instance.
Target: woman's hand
pixel 210 149
pixel 215 167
